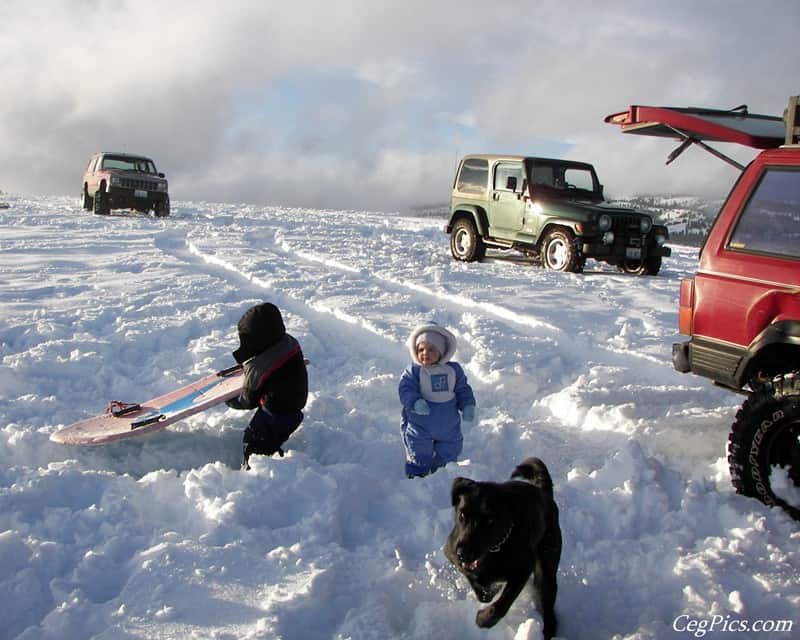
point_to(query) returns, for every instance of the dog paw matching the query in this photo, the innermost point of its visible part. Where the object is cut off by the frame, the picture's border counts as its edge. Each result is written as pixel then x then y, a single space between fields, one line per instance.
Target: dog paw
pixel 486 618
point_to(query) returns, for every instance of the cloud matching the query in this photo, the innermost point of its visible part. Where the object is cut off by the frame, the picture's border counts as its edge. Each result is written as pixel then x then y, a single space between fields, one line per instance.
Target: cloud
pixel 356 105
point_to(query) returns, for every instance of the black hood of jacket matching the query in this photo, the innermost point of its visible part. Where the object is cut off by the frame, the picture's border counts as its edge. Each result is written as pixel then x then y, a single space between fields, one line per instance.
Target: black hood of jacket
pixel 260 327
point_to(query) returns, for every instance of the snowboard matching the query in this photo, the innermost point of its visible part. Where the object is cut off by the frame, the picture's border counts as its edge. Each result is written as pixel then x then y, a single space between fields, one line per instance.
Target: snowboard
pixel 130 420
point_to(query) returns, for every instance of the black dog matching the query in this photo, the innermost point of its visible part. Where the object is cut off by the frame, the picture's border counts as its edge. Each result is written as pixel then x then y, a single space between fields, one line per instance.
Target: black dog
pixel 503 533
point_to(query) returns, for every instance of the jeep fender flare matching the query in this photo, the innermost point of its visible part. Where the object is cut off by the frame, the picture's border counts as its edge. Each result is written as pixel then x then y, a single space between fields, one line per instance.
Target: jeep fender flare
pixel 476 214
pixel 558 222
pixel 775 337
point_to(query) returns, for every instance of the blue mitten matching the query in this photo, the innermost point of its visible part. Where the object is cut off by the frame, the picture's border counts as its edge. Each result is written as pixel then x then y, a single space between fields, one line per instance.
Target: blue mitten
pixel 468 413
pixel 421 407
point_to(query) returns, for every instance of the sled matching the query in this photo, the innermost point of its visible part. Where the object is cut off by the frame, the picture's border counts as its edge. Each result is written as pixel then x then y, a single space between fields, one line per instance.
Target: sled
pixel 123 420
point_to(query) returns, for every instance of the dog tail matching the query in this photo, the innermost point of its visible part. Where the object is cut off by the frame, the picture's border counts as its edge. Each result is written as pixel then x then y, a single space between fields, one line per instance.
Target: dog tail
pixel 535 471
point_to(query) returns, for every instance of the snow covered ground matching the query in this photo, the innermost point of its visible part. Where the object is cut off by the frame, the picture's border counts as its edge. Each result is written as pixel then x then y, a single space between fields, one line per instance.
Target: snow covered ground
pixel 164 537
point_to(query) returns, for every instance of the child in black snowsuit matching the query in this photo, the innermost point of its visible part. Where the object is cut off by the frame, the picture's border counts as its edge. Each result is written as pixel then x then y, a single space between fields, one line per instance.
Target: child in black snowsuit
pixel 275 381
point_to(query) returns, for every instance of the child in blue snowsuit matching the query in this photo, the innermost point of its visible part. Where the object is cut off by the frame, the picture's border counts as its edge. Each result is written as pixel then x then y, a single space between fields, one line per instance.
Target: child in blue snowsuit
pixel 433 390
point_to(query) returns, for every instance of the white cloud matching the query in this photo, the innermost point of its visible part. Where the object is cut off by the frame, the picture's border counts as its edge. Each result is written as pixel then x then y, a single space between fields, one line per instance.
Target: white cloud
pixel 199 85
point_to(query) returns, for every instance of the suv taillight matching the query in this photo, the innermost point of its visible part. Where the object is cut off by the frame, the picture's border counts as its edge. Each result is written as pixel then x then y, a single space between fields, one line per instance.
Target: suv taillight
pixel 686 308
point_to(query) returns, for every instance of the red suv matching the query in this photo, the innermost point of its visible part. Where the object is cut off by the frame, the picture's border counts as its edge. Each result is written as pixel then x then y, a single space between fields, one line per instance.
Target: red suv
pixel 741 310
pixel 124 181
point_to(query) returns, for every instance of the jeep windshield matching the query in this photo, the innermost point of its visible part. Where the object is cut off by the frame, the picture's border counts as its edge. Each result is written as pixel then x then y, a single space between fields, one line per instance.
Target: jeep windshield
pixel 563 179
pixel 124 163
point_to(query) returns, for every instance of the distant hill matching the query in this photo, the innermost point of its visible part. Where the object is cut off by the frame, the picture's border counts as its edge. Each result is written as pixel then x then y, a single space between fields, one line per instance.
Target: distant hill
pixel 688 218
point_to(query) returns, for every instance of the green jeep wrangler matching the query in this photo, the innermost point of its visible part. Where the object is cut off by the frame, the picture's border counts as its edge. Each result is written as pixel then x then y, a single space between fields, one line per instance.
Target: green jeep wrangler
pixel 552 210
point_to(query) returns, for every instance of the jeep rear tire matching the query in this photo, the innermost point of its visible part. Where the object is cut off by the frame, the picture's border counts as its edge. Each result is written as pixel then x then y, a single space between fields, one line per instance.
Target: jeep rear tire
pixel 649 267
pixel 465 243
pixel 559 252
pixel 765 435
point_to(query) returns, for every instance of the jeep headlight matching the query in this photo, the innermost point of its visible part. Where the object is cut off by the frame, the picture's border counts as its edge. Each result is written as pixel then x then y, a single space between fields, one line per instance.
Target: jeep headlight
pixel 604 222
pixel 645 225
pixel 115 181
pixel 162 186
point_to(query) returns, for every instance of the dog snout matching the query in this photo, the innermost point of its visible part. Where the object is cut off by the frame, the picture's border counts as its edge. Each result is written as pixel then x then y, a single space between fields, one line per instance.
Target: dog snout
pixel 466 560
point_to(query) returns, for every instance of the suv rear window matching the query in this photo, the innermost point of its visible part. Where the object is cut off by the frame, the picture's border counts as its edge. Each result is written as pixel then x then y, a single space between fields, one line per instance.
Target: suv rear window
pixel 770 221
pixel 473 177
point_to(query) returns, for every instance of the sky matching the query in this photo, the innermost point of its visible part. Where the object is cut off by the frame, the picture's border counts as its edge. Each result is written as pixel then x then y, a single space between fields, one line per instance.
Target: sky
pixel 368 105
pixel 162 536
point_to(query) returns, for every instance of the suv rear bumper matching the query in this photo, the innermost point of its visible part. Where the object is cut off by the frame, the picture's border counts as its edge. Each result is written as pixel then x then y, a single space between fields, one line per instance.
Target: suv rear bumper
pixel 711 359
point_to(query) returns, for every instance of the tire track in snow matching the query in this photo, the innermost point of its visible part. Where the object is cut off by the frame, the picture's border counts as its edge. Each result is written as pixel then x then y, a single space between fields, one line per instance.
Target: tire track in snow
pixel 503 374
pixel 514 319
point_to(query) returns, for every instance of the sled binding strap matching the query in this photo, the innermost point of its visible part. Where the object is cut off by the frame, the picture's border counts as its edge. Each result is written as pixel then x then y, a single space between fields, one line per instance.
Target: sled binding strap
pixel 229 371
pixel 150 418
pixel 118 409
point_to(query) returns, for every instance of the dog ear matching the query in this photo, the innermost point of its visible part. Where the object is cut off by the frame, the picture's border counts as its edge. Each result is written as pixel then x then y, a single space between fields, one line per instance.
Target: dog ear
pixel 460 485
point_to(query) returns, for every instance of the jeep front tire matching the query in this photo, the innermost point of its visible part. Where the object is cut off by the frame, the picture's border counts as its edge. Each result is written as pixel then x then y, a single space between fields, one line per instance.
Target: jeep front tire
pixel 161 210
pixel 559 252
pixel 87 202
pixel 102 206
pixel 465 243
pixel 766 436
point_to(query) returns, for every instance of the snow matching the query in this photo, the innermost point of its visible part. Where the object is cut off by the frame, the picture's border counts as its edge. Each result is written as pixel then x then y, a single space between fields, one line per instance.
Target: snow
pixel 164 537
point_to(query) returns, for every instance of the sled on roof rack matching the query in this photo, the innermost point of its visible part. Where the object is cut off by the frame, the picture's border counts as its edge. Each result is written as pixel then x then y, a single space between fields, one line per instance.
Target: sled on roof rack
pixel 694 125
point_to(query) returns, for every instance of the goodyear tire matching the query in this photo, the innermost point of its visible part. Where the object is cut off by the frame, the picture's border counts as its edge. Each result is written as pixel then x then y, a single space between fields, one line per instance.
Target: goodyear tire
pixel 465 243
pixel 766 436
pixel 559 252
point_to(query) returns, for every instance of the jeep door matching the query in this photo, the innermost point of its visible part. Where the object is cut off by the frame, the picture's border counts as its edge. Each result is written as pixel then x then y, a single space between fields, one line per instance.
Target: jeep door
pixel 506 204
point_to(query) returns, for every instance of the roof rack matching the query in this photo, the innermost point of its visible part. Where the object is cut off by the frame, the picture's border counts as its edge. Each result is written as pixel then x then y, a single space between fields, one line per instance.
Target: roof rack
pixel 792 118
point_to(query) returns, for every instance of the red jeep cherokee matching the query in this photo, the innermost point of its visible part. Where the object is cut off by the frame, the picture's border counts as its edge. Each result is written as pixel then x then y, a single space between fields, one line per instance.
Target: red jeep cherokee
pixel 741 310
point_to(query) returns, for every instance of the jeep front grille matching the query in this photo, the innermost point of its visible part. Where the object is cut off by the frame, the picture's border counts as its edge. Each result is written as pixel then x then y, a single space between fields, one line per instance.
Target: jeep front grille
pixel 134 183
pixel 625 223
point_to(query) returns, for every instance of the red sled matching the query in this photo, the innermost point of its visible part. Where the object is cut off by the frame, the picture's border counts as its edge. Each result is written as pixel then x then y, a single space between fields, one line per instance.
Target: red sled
pixel 130 420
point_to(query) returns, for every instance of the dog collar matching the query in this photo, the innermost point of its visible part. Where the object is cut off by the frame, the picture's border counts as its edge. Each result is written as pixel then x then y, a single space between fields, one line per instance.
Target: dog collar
pixel 496 548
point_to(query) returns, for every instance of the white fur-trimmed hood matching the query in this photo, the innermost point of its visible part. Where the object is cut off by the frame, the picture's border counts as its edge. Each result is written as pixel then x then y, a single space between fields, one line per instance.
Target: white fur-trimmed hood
pixel 449 340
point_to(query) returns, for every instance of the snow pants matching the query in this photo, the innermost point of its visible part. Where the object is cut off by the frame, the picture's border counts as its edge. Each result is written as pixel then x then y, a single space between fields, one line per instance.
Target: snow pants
pixel 267 431
pixel 426 453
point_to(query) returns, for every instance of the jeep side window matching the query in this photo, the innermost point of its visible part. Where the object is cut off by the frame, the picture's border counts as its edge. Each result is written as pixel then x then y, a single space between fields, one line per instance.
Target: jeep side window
pixel 543 174
pixel 474 176
pixel 504 172
pixel 770 221
pixel 579 178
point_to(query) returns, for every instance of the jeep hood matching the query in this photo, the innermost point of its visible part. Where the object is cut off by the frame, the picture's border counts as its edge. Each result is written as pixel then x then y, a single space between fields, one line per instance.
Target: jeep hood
pixel 585 208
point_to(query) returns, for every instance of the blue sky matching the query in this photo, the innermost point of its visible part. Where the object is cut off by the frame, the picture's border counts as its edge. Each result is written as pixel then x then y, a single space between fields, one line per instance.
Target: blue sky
pixel 367 105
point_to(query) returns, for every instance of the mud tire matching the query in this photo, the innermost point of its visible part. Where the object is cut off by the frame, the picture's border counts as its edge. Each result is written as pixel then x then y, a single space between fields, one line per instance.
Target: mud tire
pixel 766 433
